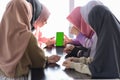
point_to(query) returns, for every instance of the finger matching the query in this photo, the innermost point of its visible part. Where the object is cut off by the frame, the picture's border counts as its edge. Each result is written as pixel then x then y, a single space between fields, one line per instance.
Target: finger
pixel 64 64
pixel 68 52
pixel 66 37
pixel 52 37
pixel 70 59
pixel 57 58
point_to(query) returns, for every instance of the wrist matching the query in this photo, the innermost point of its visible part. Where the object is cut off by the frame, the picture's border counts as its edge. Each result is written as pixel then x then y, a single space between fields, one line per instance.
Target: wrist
pixel 69 41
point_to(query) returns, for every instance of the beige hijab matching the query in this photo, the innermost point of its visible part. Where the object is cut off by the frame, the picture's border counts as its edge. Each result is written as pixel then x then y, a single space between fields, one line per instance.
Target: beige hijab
pixel 14 34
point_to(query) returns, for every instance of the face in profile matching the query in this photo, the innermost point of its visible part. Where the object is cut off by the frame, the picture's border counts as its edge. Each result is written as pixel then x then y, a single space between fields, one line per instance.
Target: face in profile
pixel 40 23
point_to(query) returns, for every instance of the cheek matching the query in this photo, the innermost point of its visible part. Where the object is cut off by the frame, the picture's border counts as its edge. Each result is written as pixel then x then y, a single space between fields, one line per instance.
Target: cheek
pixel 40 24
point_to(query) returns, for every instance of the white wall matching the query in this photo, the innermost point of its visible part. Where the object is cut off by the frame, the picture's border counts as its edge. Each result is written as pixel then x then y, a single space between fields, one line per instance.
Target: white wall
pixel 2 6
pixel 59 10
pixel 113 5
pixel 57 21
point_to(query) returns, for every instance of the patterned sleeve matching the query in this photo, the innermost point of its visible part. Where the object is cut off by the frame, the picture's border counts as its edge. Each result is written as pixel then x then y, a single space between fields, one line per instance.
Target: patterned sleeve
pixel 82 39
pixel 80 67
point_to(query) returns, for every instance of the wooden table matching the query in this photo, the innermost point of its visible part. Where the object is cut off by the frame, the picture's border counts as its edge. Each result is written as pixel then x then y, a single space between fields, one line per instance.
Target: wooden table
pixel 56 71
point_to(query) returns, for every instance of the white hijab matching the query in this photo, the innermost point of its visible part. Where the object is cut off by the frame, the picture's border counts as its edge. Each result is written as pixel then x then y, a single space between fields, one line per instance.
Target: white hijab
pixel 87 8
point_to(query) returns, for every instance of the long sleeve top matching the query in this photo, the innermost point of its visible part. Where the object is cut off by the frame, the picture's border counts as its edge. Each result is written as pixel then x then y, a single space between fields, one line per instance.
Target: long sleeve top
pixel 81 65
pixel 34 57
pixel 83 40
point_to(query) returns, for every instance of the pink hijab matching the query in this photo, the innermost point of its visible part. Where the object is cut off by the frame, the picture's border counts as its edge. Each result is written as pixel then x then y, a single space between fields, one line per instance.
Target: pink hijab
pixel 77 20
pixel 14 35
pixel 44 15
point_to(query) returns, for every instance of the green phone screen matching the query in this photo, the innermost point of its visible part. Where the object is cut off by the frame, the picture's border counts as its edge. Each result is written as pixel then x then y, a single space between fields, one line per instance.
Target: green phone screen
pixel 59 38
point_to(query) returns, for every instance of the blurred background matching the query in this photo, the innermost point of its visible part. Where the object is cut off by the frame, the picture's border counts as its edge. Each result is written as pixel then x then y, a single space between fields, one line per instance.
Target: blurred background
pixel 60 9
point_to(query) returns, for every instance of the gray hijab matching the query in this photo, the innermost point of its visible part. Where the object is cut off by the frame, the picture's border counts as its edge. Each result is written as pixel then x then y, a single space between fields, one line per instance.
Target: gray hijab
pixel 37 7
pixel 106 63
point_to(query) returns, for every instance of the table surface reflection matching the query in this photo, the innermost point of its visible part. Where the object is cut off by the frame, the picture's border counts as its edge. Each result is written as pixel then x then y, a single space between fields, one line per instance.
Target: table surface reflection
pixel 56 71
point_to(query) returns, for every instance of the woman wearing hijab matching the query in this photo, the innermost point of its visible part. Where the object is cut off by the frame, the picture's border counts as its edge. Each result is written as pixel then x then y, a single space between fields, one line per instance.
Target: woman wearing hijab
pixel 85 36
pixel 79 28
pixel 106 61
pixel 40 15
pixel 19 50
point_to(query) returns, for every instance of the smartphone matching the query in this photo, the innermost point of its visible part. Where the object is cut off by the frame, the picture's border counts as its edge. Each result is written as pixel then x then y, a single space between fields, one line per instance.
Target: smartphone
pixel 59 38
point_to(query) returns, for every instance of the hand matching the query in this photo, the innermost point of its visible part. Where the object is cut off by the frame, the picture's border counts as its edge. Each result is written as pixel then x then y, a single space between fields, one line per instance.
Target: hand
pixel 67 63
pixel 74 59
pixel 70 59
pixel 68 49
pixel 67 40
pixel 74 30
pixel 50 42
pixel 53 59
